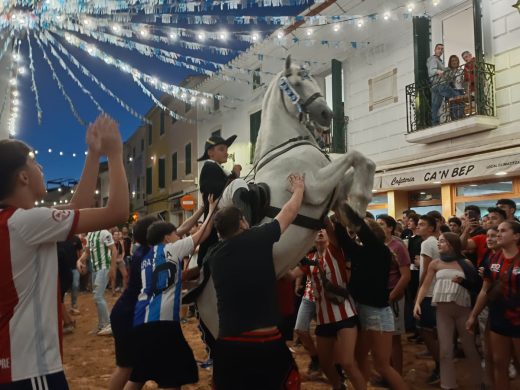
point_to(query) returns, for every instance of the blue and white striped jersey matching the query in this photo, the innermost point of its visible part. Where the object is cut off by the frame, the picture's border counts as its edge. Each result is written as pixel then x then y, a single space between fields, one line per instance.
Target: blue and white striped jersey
pixel 161 275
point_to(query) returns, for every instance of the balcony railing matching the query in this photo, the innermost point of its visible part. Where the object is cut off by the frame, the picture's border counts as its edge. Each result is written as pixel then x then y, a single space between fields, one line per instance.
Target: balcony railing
pixel 466 91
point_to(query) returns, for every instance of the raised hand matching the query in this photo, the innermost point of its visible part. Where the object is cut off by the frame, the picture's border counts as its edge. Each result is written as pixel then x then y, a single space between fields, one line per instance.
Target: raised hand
pixel 104 136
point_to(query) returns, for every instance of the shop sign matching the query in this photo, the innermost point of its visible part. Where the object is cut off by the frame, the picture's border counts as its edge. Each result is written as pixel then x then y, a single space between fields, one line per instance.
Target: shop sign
pixel 452 172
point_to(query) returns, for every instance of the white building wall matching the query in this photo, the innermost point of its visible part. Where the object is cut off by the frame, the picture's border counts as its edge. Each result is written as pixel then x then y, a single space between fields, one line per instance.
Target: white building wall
pixel 380 134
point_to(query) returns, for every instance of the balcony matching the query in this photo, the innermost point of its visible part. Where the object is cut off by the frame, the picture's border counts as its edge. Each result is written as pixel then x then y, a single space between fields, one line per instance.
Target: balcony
pixel 466 100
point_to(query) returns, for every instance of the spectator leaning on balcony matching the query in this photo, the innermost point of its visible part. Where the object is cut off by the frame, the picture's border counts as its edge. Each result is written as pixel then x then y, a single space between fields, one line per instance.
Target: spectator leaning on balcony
pixel 469 70
pixel 440 88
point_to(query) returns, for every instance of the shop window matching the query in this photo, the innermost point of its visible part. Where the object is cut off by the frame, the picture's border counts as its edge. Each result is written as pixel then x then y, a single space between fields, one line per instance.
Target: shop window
pixel 483 205
pixel 379 204
pixel 421 210
pixel 485 188
pixel 430 195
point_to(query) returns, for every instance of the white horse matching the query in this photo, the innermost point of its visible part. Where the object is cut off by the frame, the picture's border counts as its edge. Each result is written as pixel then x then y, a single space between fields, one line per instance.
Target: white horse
pixel 292 104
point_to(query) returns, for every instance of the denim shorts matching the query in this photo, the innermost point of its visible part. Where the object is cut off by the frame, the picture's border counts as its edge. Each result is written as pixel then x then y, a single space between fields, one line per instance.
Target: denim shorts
pixel 306 313
pixel 380 319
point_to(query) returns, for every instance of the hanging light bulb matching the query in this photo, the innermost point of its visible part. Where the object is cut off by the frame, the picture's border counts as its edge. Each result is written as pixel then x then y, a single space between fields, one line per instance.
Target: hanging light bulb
pixel 280 34
pixel 144 33
pixel 115 28
pixel 12 81
pixel 50 150
pixel 73 154
pixel 15 93
pixel 21 70
pixel 386 15
pixel 201 36
pixel 173 36
pixel 16 102
pixel 61 153
pixel 410 7
pixel 309 32
pixel 336 27
pixel 223 35
pixel 435 3
pixel 360 23
pixel 203 101
pixel 254 37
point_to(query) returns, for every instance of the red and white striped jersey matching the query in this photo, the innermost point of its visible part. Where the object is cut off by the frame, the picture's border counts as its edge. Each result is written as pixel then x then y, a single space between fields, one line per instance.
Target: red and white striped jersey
pixel 334 265
pixel 30 305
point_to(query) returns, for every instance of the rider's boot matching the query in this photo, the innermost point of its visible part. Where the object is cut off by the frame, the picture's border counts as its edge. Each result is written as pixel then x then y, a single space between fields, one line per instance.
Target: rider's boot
pixel 241 199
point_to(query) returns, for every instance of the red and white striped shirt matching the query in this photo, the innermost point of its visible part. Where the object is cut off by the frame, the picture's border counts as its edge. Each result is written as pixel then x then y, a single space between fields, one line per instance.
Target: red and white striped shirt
pixel 30 305
pixel 334 265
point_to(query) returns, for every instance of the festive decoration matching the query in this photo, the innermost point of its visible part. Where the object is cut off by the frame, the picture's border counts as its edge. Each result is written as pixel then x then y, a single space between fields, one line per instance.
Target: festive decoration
pixel 87 73
pixel 60 85
pixel 158 30
pixel 34 88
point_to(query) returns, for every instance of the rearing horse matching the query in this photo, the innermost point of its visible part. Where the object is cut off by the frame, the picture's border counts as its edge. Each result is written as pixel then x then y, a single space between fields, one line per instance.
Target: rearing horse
pixel 293 104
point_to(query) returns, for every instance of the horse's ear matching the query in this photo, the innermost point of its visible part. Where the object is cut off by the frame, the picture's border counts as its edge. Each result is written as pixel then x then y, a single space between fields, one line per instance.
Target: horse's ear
pixel 288 64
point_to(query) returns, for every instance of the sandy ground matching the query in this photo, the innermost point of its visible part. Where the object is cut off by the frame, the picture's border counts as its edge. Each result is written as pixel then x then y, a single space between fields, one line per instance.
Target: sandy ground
pixel 89 359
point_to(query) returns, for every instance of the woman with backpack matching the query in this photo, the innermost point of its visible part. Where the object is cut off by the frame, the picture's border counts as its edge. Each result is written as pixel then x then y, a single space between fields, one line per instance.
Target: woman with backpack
pixel 456 281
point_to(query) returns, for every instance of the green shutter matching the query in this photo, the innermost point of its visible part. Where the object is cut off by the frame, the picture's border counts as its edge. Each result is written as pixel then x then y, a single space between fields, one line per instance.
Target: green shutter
pixel 162 173
pixel 187 155
pixel 149 180
pixel 150 131
pixel 161 128
pixel 338 121
pixel 421 52
pixel 254 127
pixel 174 166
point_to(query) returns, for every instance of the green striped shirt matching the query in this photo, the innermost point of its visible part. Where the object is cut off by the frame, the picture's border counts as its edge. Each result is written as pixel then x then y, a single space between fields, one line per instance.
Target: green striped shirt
pixel 100 255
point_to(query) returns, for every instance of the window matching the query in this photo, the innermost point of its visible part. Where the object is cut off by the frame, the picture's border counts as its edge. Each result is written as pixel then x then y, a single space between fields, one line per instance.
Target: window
pixel 216 133
pixel 379 204
pixel 142 144
pixel 256 79
pixel 174 166
pixel 138 186
pixel 187 158
pixel 149 180
pixel 254 127
pixel 150 130
pixel 485 194
pixel 216 103
pixel 382 90
pixel 161 128
pixel 162 173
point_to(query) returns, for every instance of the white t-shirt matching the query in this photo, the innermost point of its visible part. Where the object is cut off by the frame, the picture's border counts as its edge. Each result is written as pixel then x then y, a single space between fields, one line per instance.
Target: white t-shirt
pixel 429 248
pixel 29 299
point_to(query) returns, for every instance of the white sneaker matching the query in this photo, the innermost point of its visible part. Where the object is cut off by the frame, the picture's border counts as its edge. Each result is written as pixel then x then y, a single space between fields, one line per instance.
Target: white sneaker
pixel 512 371
pixel 106 331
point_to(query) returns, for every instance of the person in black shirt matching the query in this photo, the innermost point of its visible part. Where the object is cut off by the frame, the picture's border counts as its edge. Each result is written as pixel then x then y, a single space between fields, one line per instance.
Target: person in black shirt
pixel 371 260
pixel 250 352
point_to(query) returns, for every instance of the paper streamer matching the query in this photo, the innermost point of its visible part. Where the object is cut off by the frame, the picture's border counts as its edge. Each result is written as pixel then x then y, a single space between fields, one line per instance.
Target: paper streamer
pixel 94 79
pixel 34 88
pixel 60 85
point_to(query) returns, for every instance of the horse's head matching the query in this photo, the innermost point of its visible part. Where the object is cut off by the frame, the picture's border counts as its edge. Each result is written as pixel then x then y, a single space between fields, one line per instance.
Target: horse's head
pixel 302 90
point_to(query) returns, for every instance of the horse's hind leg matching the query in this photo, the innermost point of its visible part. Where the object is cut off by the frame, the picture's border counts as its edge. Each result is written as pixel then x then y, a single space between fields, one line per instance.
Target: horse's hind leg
pixel 356 184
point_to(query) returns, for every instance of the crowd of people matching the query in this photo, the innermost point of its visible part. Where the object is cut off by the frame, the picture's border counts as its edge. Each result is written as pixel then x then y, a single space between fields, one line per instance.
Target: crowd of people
pixel 454 286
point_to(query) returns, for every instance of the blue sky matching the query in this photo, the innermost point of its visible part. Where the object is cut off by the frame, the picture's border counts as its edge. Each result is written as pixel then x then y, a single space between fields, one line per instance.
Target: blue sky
pixel 60 130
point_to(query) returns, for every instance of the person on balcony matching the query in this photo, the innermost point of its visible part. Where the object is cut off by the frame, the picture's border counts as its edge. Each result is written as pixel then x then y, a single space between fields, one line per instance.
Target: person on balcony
pixel 455 75
pixel 469 70
pixel 440 87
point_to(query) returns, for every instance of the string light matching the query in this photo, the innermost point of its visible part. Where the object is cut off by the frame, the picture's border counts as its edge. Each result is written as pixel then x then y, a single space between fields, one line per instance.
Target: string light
pixel 15 93
pixel 201 36
pixel 309 32
pixel 360 23
pixel 21 70
pixel 336 27
pixel 223 35
pixel 173 36
pixel 144 33
pixel 50 150
pixel 254 37
pixel 410 7
pixel 386 15
pixel 280 34
pixel 12 81
pixel 116 28
pixel 435 3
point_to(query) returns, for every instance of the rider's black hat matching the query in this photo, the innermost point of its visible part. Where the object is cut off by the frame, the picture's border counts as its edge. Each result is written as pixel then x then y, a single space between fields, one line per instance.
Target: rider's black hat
pixel 215 140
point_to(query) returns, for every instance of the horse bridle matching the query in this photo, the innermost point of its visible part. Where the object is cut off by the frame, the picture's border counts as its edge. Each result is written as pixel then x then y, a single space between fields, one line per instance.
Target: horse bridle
pixel 295 98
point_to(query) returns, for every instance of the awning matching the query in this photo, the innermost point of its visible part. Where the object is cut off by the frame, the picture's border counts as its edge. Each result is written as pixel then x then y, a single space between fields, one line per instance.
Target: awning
pixel 456 170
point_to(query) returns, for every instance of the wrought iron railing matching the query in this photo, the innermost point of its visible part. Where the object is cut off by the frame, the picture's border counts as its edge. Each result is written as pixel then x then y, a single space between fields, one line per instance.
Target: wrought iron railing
pixel 466 91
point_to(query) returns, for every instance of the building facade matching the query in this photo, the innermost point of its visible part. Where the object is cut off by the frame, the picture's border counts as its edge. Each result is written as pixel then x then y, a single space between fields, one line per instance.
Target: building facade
pixel 160 160
pixel 375 67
